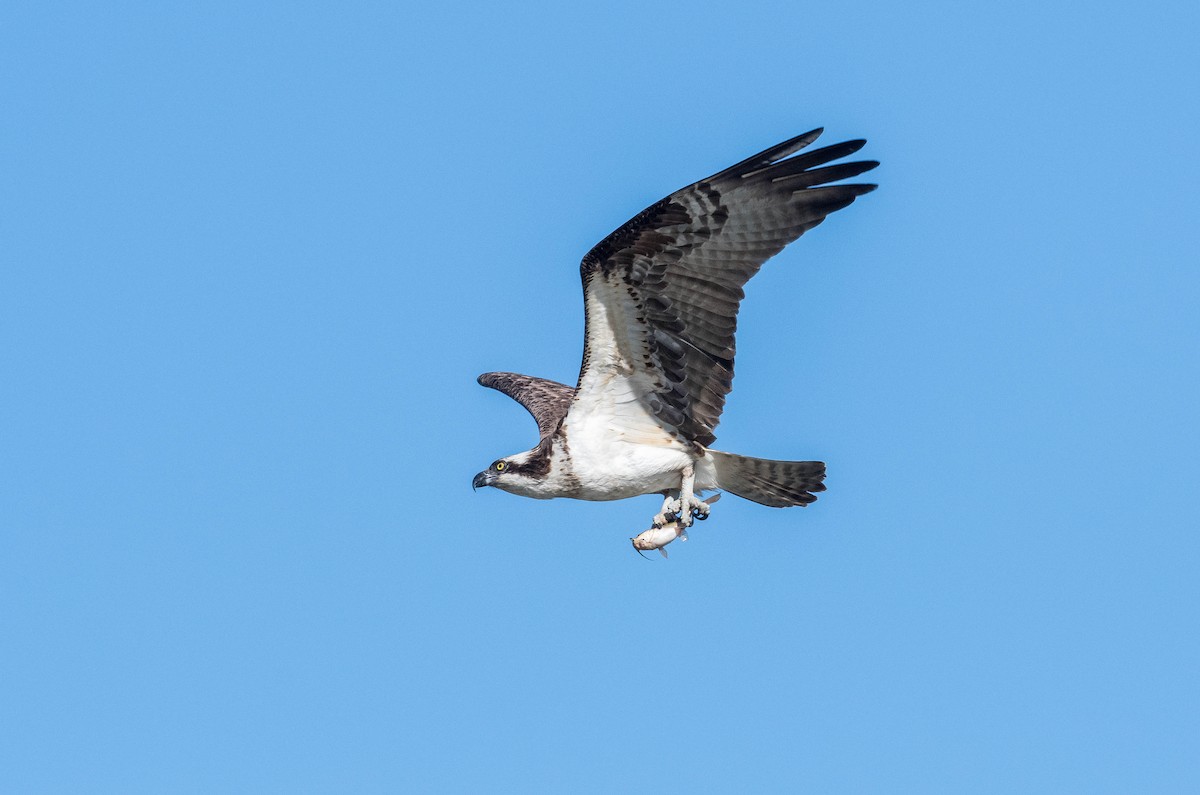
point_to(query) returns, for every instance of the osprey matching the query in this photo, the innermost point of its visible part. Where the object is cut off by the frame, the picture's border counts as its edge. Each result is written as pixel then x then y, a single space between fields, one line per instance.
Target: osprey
pixel 660 299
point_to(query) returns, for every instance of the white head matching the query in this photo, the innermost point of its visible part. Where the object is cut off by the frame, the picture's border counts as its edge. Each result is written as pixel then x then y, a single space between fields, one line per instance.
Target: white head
pixel 523 474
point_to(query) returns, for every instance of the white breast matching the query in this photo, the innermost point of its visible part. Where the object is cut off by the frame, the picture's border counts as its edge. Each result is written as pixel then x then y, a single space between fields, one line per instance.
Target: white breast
pixel 615 447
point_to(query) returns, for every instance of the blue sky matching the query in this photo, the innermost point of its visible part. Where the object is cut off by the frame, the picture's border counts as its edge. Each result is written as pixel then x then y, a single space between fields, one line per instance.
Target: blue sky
pixel 255 255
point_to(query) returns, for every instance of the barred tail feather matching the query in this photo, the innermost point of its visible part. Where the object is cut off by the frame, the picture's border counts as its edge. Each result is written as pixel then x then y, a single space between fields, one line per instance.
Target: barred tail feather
pixel 778 484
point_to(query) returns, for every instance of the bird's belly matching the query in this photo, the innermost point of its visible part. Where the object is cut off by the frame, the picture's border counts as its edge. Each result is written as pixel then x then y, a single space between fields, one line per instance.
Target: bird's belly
pixel 616 470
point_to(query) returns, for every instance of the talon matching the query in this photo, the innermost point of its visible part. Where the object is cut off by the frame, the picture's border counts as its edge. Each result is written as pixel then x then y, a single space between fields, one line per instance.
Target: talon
pixel 698 515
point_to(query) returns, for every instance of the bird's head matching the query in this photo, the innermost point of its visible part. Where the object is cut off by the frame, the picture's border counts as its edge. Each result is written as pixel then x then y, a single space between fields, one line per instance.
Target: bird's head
pixel 517 474
pixel 493 474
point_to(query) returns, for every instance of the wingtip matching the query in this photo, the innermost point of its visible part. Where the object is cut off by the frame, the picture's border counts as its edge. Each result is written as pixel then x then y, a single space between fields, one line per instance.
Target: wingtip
pixel 801 141
pixel 764 159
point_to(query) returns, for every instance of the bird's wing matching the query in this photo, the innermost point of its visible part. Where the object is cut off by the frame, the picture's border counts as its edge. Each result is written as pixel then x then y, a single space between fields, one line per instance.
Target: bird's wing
pixel 546 400
pixel 661 293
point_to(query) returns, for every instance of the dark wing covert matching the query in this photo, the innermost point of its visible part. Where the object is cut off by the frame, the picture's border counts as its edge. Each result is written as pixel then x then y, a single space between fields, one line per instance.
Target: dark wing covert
pixel 546 400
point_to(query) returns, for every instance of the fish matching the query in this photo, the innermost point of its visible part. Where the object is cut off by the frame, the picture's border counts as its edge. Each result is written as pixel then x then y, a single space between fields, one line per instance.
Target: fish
pixel 659 537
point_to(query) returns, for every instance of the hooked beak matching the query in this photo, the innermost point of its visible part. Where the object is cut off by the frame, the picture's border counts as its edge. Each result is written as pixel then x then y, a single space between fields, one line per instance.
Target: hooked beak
pixel 483 479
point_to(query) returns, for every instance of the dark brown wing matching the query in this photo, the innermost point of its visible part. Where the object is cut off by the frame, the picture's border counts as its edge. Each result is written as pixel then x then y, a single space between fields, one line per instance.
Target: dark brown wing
pixel 546 400
pixel 662 292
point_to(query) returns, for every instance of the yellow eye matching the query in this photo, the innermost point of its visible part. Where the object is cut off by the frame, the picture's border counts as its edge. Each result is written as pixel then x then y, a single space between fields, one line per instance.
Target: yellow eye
pixel 500 466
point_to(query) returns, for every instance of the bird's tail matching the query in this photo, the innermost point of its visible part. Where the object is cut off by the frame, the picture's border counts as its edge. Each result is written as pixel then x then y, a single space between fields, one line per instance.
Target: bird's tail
pixel 778 484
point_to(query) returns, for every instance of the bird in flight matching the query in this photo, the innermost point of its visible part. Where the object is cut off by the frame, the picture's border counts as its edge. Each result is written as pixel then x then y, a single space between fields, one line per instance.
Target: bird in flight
pixel 660 298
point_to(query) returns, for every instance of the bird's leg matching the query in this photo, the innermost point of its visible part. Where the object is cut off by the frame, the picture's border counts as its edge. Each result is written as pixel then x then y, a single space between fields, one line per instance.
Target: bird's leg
pixel 687 499
pixel 670 507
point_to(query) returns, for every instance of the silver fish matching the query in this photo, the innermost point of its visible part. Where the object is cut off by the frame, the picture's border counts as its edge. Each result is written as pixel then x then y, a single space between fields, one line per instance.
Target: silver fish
pixel 659 537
